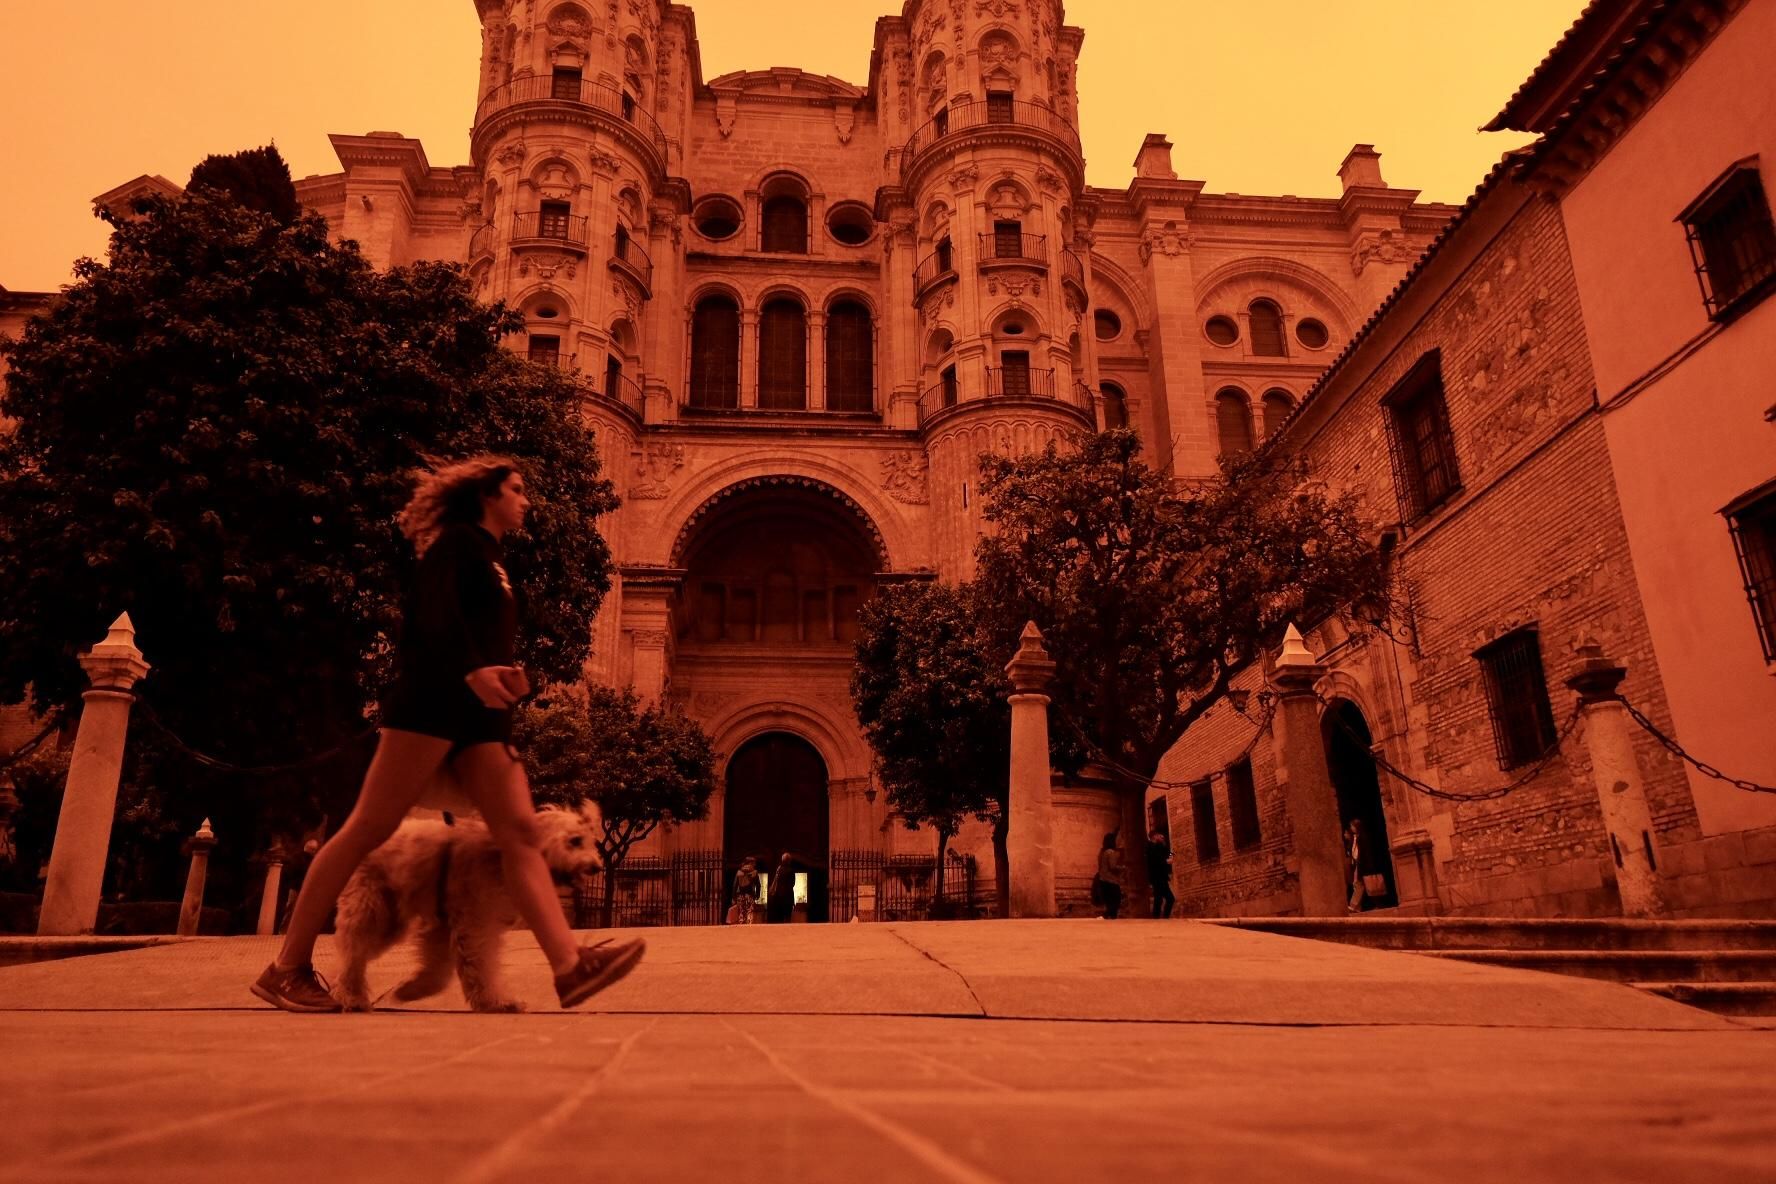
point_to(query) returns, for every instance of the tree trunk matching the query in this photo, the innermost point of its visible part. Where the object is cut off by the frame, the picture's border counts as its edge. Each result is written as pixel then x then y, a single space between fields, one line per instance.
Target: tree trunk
pixel 607 909
pixel 1001 863
pixel 937 879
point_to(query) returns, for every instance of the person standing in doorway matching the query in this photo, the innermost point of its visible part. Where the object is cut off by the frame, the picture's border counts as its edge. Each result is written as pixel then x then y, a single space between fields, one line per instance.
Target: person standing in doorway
pixel 746 890
pixel 780 896
pixel 449 716
pixel 1159 874
pixel 1354 844
pixel 1110 876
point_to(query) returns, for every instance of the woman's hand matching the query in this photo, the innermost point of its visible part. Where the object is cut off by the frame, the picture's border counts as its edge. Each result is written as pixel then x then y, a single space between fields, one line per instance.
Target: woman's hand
pixel 490 686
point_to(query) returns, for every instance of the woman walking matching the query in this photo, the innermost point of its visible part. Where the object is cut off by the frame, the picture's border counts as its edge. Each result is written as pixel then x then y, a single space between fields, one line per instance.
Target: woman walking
pixel 449 716
pixel 1110 876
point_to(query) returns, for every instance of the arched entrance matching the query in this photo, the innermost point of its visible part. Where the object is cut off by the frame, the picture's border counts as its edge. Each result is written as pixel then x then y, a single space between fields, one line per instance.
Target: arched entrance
pixel 1347 739
pixel 777 802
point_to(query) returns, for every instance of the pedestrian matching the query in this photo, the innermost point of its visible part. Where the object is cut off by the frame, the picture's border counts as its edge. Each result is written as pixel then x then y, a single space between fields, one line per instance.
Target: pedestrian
pixel 780 896
pixel 448 718
pixel 1354 844
pixel 746 890
pixel 1110 877
pixel 1159 874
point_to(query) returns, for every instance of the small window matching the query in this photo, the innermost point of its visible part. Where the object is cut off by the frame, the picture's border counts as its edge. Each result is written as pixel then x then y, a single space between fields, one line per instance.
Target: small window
pixel 851 224
pixel 945 261
pixel 628 106
pixel 1233 421
pixel 1267 330
pixel 1732 242
pixel 1115 407
pixel 552 220
pixel 622 242
pixel 1223 331
pixel 785 225
pixel 716 218
pixel 1752 521
pixel 1106 325
pixel 1423 447
pixel 1312 333
pixel 545 349
pixel 1202 816
pixel 940 123
pixel 1242 804
pixel 613 376
pixel 1008 240
pixel 1517 696
pixel 1277 405
pixel 565 84
pixel 999 108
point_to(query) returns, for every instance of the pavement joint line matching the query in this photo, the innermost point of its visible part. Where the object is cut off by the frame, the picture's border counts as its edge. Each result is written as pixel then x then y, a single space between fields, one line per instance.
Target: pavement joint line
pixel 918 1146
pixel 165 1130
pixel 501 1156
pixel 960 977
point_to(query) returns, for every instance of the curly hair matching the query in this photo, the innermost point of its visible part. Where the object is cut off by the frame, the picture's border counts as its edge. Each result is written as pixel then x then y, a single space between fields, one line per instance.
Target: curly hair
pixel 452 492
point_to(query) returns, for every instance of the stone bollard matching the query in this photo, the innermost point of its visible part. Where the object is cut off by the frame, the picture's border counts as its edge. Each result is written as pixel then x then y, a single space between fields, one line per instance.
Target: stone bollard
pixel 1029 838
pixel 83 830
pixel 268 899
pixel 191 908
pixel 1616 774
pixel 1307 782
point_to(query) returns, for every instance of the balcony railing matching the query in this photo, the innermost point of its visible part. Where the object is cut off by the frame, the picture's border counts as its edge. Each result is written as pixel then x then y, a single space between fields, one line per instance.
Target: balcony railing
pixel 627 255
pixel 544 88
pixel 936 398
pixel 483 241
pixel 1072 269
pixel 1020 382
pixel 617 388
pixel 965 117
pixel 932 268
pixel 559 227
pixel 1013 248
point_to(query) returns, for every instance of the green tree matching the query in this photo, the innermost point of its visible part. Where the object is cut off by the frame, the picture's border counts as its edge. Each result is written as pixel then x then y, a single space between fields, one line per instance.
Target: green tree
pixel 1152 594
pixel 930 691
pixel 214 429
pixel 643 766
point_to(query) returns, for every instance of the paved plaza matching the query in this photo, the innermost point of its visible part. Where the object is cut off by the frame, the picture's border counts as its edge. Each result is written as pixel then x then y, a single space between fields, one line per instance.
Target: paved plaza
pixel 1000 1051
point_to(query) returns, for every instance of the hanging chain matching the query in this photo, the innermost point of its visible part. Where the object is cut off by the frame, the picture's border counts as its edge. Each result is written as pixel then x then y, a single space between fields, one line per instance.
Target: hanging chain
pixel 1484 795
pixel 1701 766
pixel 209 762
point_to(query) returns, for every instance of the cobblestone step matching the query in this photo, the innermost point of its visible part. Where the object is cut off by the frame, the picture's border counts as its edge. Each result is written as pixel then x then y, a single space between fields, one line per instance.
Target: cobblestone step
pixel 1628 966
pixel 1743 998
pixel 1520 933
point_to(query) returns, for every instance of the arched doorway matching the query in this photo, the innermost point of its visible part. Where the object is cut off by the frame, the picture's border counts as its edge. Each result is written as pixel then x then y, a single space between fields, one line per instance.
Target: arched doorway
pixel 1347 739
pixel 777 802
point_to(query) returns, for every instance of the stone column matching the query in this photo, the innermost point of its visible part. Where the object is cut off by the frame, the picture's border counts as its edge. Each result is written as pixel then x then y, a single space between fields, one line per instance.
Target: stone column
pixel 1616 774
pixel 1307 782
pixel 83 830
pixel 816 363
pixel 274 888
pixel 1029 840
pixel 191 908
pixel 749 344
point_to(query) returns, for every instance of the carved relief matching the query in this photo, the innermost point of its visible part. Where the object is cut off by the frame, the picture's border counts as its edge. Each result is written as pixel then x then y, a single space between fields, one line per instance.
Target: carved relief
pixel 545 266
pixel 844 119
pixel 964 178
pixel 570 20
pixel 656 463
pixel 512 155
pixel 604 164
pixel 1047 178
pixel 1167 240
pixel 904 477
pixel 1013 286
pixel 1378 246
pixel 999 8
pixel 727 109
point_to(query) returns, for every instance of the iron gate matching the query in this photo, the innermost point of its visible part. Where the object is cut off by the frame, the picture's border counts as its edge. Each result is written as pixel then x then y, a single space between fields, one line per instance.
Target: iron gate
pixel 903 884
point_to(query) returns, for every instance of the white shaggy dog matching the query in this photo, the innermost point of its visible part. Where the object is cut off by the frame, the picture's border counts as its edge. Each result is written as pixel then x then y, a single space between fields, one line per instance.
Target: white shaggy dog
pixel 444 883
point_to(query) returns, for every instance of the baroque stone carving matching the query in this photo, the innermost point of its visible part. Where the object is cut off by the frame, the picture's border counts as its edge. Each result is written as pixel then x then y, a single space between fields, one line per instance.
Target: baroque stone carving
pixel 1377 246
pixel 656 462
pixel 1047 178
pixel 512 155
pixel 649 638
pixel 1167 240
pixel 904 477
pixel 604 164
pixel 570 20
pixel 964 178
pixel 1014 286
pixel 999 8
pixel 546 266
pixel 844 119
pixel 727 109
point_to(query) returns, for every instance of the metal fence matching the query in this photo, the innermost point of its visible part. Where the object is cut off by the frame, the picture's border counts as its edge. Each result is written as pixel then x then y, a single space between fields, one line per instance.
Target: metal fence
pixel 903 884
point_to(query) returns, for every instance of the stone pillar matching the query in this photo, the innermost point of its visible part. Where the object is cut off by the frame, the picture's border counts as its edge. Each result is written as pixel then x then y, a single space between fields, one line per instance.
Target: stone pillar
pixel 274 889
pixel 1307 782
pixel 1029 840
pixel 1620 789
pixel 191 908
pixel 816 360
pixel 749 377
pixel 83 830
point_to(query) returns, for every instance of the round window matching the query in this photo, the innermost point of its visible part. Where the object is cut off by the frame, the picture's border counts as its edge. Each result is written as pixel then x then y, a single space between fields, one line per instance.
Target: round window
pixel 1013 329
pixel 851 224
pixel 717 218
pixel 1106 324
pixel 548 312
pixel 1222 330
pixel 1311 333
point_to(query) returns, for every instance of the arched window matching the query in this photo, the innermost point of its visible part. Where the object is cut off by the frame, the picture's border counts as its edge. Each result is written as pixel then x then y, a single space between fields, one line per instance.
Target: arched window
pixel 783 356
pixel 850 358
pixel 1233 420
pixel 785 225
pixel 715 353
pixel 1116 413
pixel 1267 329
pixel 1277 405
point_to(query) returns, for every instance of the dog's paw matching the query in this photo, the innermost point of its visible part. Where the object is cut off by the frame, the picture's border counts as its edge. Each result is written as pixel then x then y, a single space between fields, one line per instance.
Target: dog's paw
pixel 355 1002
pixel 412 990
pixel 506 1006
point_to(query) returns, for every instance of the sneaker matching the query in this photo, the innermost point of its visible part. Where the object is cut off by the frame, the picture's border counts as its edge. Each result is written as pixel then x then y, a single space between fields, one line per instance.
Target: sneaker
pixel 301 989
pixel 600 965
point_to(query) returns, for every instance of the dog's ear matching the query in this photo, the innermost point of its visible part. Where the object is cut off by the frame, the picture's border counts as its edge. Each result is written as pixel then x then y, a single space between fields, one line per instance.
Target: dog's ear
pixel 591 813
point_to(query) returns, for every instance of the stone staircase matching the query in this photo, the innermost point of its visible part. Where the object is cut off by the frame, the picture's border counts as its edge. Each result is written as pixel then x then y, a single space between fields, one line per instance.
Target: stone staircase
pixel 1724 966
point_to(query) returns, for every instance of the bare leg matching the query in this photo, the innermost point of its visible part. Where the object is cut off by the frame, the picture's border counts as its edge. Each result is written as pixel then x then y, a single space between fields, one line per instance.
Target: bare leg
pixel 404 763
pixel 495 782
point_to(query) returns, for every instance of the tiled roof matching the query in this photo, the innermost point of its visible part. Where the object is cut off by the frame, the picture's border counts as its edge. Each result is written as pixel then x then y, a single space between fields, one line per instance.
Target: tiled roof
pixel 1545 66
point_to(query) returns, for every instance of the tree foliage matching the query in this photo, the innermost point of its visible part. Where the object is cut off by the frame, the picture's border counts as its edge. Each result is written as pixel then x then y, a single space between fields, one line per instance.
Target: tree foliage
pixel 214 429
pixel 1153 594
pixel 644 766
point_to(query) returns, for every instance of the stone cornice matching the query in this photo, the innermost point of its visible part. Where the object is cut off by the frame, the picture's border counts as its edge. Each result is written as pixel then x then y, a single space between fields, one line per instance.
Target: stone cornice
pixel 382 150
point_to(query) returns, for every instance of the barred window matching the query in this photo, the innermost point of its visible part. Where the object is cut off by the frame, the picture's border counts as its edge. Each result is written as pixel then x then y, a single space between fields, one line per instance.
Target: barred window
pixel 1752 520
pixel 715 353
pixel 850 358
pixel 1425 474
pixel 1517 696
pixel 783 356
pixel 1202 817
pixel 546 350
pixel 1267 329
pixel 1242 804
pixel 1233 421
pixel 1732 242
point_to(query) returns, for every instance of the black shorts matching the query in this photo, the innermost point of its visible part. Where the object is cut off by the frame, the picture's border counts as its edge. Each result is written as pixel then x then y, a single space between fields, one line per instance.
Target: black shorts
pixel 447 712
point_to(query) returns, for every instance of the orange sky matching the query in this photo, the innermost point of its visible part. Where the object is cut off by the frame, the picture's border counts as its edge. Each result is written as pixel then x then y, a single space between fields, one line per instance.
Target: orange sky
pixel 1263 96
